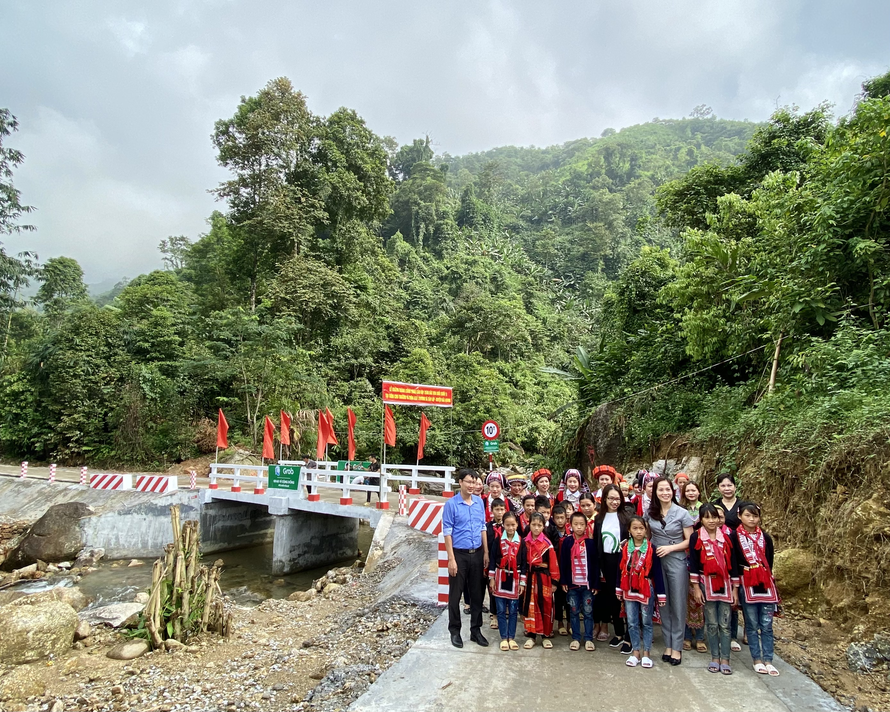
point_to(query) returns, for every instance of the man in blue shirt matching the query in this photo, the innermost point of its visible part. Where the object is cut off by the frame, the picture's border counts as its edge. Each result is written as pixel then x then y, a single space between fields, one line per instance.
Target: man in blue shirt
pixel 463 524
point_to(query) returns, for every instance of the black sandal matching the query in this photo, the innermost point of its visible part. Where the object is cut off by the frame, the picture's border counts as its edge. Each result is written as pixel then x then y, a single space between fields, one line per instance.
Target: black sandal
pixel 665 658
pixel 677 661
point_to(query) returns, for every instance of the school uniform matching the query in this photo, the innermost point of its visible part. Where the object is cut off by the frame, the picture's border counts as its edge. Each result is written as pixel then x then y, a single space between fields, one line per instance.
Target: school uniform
pixel 754 554
pixel 608 533
pixel 560 606
pixel 640 585
pixel 542 575
pixel 493 533
pixel 579 570
pixel 507 571
pixel 713 567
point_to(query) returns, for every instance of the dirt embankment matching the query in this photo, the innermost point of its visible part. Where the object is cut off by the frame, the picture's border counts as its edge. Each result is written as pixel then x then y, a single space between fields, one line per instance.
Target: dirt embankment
pixel 831 524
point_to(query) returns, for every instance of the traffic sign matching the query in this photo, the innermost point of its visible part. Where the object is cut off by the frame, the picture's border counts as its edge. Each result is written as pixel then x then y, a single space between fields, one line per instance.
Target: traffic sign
pixel 490 430
pixel 492 446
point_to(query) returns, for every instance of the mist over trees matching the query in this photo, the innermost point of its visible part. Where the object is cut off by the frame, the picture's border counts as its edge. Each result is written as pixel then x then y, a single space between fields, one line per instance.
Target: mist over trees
pixel 538 282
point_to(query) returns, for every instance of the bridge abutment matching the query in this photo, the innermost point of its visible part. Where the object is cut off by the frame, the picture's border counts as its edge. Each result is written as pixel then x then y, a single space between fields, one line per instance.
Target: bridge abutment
pixel 306 540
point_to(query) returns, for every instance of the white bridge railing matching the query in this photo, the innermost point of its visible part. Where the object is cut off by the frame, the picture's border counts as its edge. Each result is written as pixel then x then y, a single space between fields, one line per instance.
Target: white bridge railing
pixel 433 475
pixel 334 475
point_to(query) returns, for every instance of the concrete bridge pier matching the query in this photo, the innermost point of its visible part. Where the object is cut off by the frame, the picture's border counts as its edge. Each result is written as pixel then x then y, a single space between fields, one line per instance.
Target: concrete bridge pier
pixel 305 540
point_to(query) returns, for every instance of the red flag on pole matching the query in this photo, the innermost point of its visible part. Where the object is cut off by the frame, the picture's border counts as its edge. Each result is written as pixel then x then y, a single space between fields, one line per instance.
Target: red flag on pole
pixel 389 428
pixel 268 439
pixel 222 431
pixel 332 436
pixel 350 419
pixel 421 441
pixel 285 428
pixel 322 435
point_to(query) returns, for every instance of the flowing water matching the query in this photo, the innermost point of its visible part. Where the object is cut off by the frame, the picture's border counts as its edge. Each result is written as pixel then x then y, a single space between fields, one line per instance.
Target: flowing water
pixel 247 577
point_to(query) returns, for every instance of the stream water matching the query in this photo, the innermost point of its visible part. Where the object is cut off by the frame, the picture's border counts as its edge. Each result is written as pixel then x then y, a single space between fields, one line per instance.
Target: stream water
pixel 247 577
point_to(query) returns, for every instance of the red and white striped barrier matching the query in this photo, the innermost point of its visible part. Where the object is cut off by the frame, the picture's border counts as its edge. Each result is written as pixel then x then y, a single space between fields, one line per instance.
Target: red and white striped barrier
pixel 84 477
pixel 426 515
pixel 157 483
pixel 442 588
pixel 403 500
pixel 112 482
pixel 193 479
pixel 24 471
pixel 52 473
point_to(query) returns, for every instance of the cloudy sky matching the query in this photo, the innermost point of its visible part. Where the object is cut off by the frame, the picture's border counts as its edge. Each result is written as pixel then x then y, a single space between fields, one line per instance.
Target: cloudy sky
pixel 116 100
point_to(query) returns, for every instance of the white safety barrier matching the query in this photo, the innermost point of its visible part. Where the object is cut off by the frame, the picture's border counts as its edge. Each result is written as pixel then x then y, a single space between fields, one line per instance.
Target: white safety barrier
pixel 256 475
pixel 52 473
pixel 112 482
pixel 415 474
pixel 84 478
pixel 157 483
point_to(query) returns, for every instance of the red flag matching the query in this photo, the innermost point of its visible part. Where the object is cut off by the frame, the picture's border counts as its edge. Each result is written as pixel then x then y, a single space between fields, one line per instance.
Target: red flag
pixel 269 439
pixel 322 435
pixel 350 418
pixel 285 428
pixel 222 431
pixel 421 441
pixel 332 436
pixel 389 427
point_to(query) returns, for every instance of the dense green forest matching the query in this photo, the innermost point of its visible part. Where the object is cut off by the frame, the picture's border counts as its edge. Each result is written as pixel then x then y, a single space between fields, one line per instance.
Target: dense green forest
pixel 539 282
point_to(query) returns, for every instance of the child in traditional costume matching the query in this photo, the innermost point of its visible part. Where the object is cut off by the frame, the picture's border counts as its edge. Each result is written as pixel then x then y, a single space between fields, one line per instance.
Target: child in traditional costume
pixel 528 508
pixel 571 488
pixel 494 529
pixel 561 529
pixel 542 575
pixel 579 576
pixel 754 554
pixel 713 579
pixel 640 584
pixel 507 578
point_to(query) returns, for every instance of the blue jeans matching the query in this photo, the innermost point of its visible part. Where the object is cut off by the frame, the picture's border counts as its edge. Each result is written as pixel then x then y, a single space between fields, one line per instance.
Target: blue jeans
pixel 580 600
pixel 694 634
pixel 508 610
pixel 717 626
pixel 634 610
pixel 759 629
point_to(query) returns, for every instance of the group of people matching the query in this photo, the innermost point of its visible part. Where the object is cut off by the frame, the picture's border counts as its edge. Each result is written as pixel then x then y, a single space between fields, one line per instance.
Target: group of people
pixel 625 556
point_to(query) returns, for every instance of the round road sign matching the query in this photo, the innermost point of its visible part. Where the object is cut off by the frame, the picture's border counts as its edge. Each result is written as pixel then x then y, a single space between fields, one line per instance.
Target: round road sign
pixel 490 430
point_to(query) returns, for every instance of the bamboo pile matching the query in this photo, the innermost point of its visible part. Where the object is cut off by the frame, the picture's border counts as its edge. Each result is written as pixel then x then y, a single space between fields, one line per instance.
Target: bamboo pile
pixel 185 597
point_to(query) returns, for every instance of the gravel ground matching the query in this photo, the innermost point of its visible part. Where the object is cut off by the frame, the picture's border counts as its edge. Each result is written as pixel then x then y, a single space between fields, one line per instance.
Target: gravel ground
pixel 320 654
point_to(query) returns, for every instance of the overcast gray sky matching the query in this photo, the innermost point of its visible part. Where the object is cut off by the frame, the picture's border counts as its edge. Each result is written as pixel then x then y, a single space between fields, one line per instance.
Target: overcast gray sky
pixel 117 100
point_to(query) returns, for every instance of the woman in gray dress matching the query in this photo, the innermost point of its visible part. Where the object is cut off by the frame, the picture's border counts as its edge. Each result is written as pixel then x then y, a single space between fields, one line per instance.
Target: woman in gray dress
pixel 671 528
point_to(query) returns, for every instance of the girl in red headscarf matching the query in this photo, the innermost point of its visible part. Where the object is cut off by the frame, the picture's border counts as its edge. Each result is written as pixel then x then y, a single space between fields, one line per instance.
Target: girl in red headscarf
pixel 541 481
pixel 542 577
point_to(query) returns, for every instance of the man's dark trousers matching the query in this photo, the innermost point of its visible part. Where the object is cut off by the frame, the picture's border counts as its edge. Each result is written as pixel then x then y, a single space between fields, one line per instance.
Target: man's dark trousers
pixel 469 574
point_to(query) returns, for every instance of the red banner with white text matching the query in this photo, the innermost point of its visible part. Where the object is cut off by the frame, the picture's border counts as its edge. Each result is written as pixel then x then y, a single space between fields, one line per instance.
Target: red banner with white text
pixel 416 394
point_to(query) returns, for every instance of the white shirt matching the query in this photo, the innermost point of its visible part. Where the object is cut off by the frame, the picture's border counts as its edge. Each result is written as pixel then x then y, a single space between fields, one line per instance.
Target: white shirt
pixel 611 533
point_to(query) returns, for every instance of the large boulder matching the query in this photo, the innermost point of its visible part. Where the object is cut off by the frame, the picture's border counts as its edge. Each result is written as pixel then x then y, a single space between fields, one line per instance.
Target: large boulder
pixel 21 682
pixel 56 536
pixel 871 656
pixel 604 438
pixel 794 570
pixel 35 632
pixel 71 595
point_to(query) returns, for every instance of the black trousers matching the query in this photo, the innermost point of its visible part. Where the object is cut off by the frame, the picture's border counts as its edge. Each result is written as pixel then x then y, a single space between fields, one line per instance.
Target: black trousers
pixel 606 605
pixel 470 572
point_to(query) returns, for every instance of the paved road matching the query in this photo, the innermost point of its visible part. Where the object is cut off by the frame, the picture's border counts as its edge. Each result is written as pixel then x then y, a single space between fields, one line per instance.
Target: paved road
pixel 433 675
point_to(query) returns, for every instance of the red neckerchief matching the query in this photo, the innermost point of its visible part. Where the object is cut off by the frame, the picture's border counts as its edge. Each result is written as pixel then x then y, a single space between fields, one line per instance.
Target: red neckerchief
pixel 757 571
pixel 537 548
pixel 579 561
pixel 635 568
pixel 591 523
pixel 716 559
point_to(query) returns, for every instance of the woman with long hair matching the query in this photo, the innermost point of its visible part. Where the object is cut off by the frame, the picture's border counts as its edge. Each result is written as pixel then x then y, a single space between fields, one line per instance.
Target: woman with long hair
pixel 609 530
pixel 671 527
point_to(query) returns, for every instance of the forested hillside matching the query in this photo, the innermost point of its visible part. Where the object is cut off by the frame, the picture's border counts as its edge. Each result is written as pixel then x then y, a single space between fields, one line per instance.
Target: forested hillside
pixel 339 259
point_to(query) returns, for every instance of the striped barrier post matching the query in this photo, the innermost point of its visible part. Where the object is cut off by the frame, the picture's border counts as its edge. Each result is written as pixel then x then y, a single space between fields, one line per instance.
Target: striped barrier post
pixel 403 501
pixel 159 484
pixel 24 471
pixel 193 479
pixel 442 588
pixel 52 473
pixel 84 478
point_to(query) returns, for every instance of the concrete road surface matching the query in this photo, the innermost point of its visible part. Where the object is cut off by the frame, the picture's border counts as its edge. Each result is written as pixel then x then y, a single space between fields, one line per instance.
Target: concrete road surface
pixel 434 675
